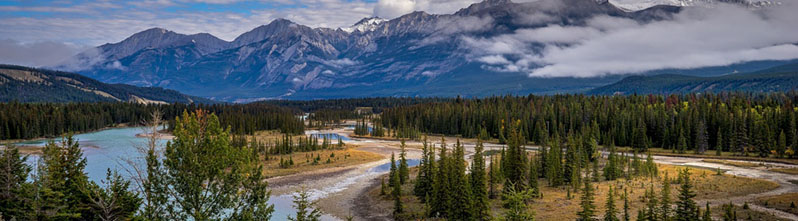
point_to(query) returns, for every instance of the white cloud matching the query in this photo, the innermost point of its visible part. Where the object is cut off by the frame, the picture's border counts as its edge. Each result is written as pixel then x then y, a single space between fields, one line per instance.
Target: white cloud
pixel 696 37
pixel 35 54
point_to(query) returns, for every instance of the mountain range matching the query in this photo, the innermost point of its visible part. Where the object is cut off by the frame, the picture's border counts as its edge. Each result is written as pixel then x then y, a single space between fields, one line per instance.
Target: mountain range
pixel 417 54
pixel 24 84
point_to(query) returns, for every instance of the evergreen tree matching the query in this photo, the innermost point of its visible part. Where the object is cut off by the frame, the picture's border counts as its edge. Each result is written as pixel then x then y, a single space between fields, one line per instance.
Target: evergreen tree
pixel 442 188
pixel 14 191
pixel 612 170
pixel 533 176
pixel 719 144
pixel 493 177
pixel 701 139
pixel 586 202
pixel 516 203
pixel 707 213
pixel 626 215
pixel 554 168
pixel 396 193
pixel 730 213
pixel 686 208
pixel 209 178
pixel 115 201
pixel 392 171
pixel 651 205
pixel 515 166
pixel 781 147
pixel 682 144
pixel 665 199
pixel 404 173
pixel 479 190
pixel 651 167
pixel 304 207
pixel 611 212
pixel 460 207
pixel 64 166
pixel 423 185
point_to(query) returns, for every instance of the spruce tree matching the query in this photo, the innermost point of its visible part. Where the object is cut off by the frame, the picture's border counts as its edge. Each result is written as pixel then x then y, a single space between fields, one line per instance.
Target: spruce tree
pixel 404 173
pixel 442 188
pixel 626 215
pixel 396 193
pixel 665 199
pixel 13 186
pixel 392 171
pixel 651 204
pixel 612 169
pixel 460 206
pixel 304 207
pixel 586 202
pixel 515 166
pixel 701 139
pixel 516 203
pixel 686 208
pixel 707 213
pixel 479 190
pixel 64 166
pixel 781 147
pixel 423 185
pixel 719 144
pixel 611 212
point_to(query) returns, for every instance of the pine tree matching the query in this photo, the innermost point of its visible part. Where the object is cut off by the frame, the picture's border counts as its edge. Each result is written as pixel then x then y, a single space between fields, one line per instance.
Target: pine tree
pixel 651 167
pixel 396 193
pixel 611 212
pixel 392 171
pixel 781 147
pixel 612 170
pixel 404 173
pixel 479 191
pixel 686 208
pixel 460 206
pixel 707 213
pixel 554 169
pixel 515 166
pixel 442 187
pixel 719 144
pixel 651 204
pixel 493 178
pixel 304 207
pixel 423 185
pixel 586 202
pixel 115 201
pixel 64 166
pixel 13 187
pixel 516 202
pixel 701 140
pixel 665 199
pixel 730 213
pixel 533 176
pixel 626 215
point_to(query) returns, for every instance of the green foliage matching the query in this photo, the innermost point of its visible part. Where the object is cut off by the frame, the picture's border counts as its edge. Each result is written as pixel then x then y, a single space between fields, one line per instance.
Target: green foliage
pixel 114 201
pixel 479 189
pixel 404 173
pixel 586 202
pixel 305 210
pixel 396 193
pixel 516 203
pixel 686 208
pixel 208 178
pixel 63 174
pixel 426 172
pixel 610 212
pixel 14 190
pixel 665 199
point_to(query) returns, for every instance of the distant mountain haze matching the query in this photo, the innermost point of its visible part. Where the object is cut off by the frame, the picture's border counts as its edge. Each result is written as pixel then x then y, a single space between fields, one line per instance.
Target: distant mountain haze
pixel 488 48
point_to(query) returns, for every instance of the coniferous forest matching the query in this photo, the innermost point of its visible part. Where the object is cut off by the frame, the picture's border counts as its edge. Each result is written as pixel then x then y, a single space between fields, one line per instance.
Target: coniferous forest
pixel 35 120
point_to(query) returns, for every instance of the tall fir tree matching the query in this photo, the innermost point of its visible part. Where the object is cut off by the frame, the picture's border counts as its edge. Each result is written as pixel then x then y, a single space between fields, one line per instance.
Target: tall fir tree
pixel 665 199
pixel 610 212
pixel 626 215
pixel 515 166
pixel 686 208
pixel 404 172
pixel 479 189
pixel 460 205
pixel 586 202
pixel 396 194
pixel 392 171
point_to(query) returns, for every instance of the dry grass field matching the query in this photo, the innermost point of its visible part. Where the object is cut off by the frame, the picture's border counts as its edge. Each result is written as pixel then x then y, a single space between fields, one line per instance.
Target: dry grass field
pixel 785 202
pixel 304 161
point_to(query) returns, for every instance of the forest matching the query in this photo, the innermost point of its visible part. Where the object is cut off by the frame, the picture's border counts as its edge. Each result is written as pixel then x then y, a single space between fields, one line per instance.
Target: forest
pixel 744 123
pixel 37 120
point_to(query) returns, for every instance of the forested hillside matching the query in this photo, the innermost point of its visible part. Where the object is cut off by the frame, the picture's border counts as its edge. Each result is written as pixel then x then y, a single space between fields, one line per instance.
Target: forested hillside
pixel 26 121
pixel 24 84
pixel 761 124
pixel 777 79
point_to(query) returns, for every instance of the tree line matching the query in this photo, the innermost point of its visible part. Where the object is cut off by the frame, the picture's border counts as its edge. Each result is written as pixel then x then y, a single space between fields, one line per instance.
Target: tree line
pixel 743 123
pixel 35 120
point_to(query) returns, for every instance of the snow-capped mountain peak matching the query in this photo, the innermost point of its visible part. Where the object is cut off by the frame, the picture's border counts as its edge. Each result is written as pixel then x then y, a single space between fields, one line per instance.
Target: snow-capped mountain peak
pixel 366 24
pixel 636 5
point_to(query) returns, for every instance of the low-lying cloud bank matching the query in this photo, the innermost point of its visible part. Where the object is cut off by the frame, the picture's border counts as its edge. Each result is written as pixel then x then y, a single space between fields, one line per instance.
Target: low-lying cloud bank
pixel 36 54
pixel 696 37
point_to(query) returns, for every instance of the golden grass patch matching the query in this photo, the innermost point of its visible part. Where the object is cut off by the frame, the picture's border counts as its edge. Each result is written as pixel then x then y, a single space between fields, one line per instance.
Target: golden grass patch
pixel 785 202
pixel 733 163
pixel 304 161
pixel 792 171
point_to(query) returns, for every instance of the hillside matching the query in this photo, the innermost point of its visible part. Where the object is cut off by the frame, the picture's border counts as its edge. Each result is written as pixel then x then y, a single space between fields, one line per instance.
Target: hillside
pixel 780 78
pixel 24 84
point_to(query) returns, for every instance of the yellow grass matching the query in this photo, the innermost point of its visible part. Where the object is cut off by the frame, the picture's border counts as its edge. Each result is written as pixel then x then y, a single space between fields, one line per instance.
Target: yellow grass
pixel 707 185
pixel 780 202
pixel 304 161
pixel 555 206
pixel 711 154
pixel 792 171
pixel 744 214
pixel 733 163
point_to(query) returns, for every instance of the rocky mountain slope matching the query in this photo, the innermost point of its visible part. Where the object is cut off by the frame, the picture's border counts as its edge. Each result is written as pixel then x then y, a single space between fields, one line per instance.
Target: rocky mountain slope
pixel 417 54
pixel 25 84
